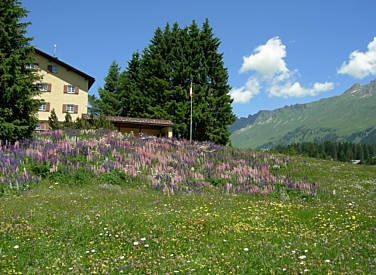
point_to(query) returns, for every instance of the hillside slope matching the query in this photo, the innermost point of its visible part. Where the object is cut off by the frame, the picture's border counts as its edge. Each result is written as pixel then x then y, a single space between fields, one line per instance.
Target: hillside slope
pixel 348 117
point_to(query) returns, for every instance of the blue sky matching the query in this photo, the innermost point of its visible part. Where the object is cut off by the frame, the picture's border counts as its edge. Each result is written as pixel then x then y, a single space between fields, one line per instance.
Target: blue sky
pixel 277 52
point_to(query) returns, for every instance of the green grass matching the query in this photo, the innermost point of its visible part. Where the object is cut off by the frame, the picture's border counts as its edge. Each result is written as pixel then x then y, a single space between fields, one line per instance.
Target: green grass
pixel 93 228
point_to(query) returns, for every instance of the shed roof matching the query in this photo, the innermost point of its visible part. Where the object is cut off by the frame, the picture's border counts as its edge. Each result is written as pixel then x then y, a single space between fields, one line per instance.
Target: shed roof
pixel 136 121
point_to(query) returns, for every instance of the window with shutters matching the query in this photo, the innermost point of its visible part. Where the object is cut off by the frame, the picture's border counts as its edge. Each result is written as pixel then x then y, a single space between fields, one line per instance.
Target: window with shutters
pixel 71 89
pixel 38 127
pixel 32 66
pixel 45 87
pixel 43 107
pixel 69 108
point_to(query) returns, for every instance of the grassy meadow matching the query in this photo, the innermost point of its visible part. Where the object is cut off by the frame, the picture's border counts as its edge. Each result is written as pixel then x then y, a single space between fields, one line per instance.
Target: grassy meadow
pixel 103 203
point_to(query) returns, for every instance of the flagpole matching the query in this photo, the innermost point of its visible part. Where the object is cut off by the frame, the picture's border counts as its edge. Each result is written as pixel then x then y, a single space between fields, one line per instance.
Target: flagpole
pixel 190 130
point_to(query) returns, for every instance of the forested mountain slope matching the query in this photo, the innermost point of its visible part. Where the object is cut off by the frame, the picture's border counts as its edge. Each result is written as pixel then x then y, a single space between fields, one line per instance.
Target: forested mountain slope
pixel 348 117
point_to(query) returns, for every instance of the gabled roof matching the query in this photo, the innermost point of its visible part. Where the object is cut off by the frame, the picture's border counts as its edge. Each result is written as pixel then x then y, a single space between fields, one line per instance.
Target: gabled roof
pixel 67 66
pixel 136 121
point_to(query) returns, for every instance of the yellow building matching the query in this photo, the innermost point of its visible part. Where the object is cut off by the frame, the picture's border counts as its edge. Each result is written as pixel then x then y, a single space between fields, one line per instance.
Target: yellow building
pixel 63 88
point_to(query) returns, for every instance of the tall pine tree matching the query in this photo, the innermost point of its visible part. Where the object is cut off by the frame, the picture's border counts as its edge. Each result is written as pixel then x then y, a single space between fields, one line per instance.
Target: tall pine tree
pixel 18 83
pixel 156 83
pixel 174 58
pixel 109 102
pixel 132 100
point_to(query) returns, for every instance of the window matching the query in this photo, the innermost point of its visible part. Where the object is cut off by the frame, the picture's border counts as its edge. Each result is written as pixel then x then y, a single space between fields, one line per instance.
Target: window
pixel 43 107
pixel 45 87
pixel 38 128
pixel 70 108
pixel 32 66
pixel 71 89
pixel 52 68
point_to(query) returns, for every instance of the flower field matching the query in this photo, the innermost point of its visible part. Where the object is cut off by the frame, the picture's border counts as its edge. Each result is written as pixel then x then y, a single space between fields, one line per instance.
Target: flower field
pixel 103 203
pixel 168 165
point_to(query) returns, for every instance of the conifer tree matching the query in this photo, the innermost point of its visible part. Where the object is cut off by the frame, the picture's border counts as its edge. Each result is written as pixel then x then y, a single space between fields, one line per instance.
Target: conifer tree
pixel 156 83
pixel 132 100
pixel 94 104
pixel 109 103
pixel 174 58
pixel 18 83
pixel 53 121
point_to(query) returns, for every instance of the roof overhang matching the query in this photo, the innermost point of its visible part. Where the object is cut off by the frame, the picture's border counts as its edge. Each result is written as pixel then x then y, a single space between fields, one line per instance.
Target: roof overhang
pixel 134 121
pixel 90 79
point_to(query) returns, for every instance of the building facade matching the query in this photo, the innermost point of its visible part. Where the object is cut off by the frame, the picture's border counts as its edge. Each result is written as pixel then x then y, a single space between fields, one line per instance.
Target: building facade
pixel 63 88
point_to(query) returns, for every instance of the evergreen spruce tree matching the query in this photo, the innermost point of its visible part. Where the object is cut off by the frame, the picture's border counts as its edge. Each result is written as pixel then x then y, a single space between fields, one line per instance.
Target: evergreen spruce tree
pixel 156 74
pixel 175 58
pixel 109 103
pixel 94 105
pixel 18 84
pixel 156 83
pixel 53 121
pixel 133 101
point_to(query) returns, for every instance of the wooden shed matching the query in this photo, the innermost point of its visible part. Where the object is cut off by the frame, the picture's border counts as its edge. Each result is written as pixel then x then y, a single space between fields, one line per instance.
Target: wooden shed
pixel 151 127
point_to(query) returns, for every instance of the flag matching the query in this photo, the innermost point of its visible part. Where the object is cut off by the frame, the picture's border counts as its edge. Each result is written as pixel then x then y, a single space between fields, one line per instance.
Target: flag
pixel 190 91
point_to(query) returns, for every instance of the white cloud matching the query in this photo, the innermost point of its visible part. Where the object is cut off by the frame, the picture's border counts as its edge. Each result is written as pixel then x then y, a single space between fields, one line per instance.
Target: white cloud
pixel 267 60
pixel 271 69
pixel 296 90
pixel 361 64
pixel 245 93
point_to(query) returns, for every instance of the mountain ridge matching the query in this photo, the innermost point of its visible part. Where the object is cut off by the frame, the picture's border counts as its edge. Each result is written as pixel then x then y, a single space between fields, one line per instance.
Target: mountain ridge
pixel 350 116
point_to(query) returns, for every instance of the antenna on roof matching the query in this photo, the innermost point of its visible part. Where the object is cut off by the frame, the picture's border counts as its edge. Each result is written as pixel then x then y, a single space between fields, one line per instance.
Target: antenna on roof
pixel 54 50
